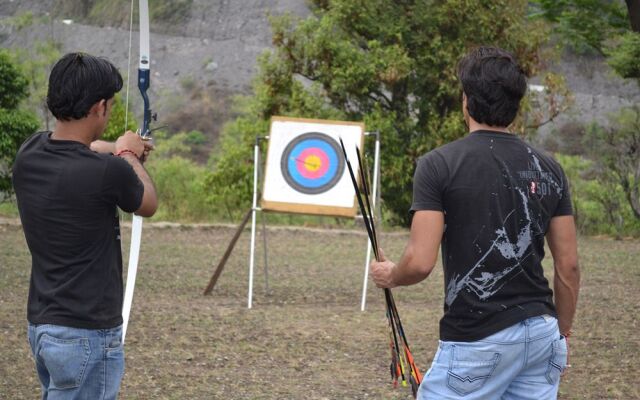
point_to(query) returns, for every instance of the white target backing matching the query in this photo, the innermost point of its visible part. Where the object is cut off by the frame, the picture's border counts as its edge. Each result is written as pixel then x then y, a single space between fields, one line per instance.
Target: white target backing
pixel 305 168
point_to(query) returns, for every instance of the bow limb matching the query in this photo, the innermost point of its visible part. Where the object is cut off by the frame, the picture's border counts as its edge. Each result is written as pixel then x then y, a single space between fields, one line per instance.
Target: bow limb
pixel 136 224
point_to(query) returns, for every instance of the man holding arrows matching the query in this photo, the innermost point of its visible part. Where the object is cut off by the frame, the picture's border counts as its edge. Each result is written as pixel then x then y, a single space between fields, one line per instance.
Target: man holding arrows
pixel 490 200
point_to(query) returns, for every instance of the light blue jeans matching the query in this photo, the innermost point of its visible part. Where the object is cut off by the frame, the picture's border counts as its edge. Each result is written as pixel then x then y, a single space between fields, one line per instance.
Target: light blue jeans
pixel 521 362
pixel 77 363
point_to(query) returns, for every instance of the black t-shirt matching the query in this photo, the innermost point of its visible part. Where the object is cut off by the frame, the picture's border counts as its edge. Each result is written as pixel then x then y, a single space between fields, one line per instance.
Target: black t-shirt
pixel 67 196
pixel 498 195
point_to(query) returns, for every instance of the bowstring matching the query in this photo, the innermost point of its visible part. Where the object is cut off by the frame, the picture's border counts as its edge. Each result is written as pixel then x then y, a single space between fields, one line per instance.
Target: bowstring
pixel 126 101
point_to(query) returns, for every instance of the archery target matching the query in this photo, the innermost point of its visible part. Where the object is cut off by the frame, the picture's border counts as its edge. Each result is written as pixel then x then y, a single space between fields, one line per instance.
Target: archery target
pixel 312 163
pixel 306 170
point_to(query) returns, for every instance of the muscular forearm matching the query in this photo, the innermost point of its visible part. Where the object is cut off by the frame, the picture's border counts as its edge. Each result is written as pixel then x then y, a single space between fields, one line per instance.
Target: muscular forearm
pixel 149 198
pixel 409 271
pixel 566 285
pixel 101 146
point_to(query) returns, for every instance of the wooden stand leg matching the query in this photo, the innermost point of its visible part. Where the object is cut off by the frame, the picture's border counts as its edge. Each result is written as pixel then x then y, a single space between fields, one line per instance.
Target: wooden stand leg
pixel 226 255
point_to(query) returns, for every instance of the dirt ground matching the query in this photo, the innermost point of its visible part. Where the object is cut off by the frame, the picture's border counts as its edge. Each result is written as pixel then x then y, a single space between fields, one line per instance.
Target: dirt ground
pixel 306 338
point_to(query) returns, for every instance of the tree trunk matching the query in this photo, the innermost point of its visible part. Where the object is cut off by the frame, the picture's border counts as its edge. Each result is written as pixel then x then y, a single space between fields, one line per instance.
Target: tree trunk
pixel 634 14
pixel 634 201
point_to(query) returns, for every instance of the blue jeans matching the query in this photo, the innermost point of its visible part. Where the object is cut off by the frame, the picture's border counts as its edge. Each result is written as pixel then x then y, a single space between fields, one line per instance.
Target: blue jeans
pixel 77 363
pixel 521 362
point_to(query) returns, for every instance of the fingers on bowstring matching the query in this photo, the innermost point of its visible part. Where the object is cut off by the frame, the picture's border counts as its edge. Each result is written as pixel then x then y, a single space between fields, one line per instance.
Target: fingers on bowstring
pixel 381 254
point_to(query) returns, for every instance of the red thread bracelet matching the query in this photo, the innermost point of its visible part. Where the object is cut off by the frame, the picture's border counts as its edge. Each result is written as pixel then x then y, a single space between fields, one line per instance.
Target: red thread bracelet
pixel 125 151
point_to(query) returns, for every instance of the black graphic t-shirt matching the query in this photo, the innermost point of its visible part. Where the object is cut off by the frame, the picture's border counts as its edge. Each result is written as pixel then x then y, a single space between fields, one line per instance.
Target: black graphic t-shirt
pixel 67 197
pixel 498 195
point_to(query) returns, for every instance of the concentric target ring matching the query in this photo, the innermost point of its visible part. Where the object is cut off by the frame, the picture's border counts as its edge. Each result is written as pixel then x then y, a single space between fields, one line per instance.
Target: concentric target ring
pixel 312 163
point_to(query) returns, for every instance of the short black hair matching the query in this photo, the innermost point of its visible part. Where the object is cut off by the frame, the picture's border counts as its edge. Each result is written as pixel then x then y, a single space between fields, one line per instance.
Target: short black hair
pixel 494 84
pixel 77 82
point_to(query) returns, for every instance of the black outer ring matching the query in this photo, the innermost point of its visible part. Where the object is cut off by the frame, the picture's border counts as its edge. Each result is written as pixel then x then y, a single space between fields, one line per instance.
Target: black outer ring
pixel 284 161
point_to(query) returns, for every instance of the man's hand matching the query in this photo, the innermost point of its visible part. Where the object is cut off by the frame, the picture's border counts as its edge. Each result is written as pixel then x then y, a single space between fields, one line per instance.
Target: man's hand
pixel 148 148
pixel 382 272
pixel 131 141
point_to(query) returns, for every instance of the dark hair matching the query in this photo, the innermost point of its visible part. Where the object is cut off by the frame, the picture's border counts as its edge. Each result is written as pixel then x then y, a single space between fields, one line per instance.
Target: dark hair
pixel 77 82
pixel 494 84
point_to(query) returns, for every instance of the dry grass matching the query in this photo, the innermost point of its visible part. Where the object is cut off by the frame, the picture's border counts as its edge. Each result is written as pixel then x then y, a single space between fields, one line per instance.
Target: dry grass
pixel 307 339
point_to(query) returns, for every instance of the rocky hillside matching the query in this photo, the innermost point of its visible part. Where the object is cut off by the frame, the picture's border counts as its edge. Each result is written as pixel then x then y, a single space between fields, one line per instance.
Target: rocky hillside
pixel 220 44
pixel 195 73
pixel 215 55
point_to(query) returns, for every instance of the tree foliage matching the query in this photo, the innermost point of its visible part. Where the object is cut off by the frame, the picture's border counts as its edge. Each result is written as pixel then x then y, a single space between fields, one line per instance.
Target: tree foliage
pixel 15 124
pixel 585 24
pixel 36 62
pixel 14 86
pixel 616 149
pixel 599 202
pixel 178 180
pixel 605 26
pixel 613 30
pixel 625 57
pixel 165 14
pixel 120 120
pixel 391 64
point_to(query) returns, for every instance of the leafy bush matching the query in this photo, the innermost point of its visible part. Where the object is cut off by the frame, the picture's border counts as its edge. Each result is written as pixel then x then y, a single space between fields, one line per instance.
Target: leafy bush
pixel 624 57
pixel 230 185
pixel 166 14
pixel 178 180
pixel 599 203
pixel 118 120
pixel 180 186
pixel 16 125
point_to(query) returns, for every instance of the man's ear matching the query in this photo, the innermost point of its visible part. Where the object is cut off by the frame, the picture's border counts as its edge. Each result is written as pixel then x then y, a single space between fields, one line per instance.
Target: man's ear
pixel 99 107
pixel 104 104
pixel 465 110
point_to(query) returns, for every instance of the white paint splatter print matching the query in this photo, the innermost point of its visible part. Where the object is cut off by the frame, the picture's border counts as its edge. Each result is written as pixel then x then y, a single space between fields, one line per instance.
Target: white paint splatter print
pixel 486 284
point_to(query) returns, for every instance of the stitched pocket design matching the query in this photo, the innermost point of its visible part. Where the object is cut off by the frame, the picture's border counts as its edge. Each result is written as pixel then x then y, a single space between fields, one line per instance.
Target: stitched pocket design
pixel 558 360
pixel 66 360
pixel 470 369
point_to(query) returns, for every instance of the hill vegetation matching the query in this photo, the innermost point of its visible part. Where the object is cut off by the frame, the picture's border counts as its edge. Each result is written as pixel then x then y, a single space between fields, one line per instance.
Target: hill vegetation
pixel 391 65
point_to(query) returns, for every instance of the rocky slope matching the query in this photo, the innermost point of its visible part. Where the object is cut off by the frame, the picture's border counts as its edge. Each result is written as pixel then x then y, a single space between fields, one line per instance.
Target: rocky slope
pixel 221 40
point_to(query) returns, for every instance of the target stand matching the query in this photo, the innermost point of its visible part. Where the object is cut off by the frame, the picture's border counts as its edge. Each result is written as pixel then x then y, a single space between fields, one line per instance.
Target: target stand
pixel 306 174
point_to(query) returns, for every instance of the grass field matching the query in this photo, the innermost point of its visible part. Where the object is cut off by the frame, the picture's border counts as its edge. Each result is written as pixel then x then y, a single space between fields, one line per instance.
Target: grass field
pixel 306 339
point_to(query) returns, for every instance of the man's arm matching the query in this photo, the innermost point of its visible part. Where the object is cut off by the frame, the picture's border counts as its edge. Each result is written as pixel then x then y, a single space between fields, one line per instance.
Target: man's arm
pixel 419 256
pixel 563 244
pixel 101 146
pixel 131 147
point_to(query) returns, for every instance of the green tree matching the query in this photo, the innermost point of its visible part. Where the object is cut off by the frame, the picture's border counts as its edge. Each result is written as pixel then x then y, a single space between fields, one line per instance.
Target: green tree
pixel 599 202
pixel 617 149
pixel 179 181
pixel 606 26
pixel 625 57
pixel 120 117
pixel 391 64
pixel 15 124
pixel 586 25
pixel 614 31
pixel 36 62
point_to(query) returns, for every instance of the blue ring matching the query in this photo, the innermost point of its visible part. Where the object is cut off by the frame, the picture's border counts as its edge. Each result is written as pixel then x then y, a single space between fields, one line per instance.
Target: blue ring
pixel 290 163
pixel 293 165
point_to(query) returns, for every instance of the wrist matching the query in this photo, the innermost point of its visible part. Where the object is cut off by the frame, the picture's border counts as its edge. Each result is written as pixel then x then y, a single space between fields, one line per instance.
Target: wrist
pixel 122 152
pixel 392 276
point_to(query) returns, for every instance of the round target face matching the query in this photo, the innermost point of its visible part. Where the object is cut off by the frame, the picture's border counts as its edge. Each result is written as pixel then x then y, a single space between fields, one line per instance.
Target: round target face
pixel 312 163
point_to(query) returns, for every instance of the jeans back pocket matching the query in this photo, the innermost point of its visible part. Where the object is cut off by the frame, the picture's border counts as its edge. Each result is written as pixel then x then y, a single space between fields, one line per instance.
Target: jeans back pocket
pixel 65 360
pixel 558 360
pixel 470 369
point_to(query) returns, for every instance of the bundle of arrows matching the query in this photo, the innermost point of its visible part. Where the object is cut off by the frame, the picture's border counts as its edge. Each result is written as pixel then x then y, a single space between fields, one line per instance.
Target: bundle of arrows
pixel 402 365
